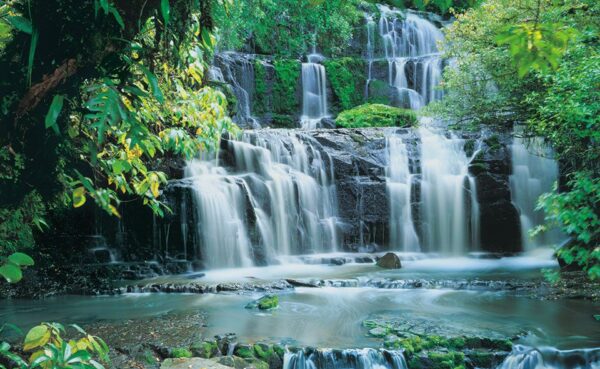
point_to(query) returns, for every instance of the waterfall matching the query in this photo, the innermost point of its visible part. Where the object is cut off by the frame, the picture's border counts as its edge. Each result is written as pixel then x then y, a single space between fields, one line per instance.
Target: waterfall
pixel 534 172
pixel 344 359
pixel 409 44
pixel 450 214
pixel 277 197
pixel 314 92
pixel 524 357
pixel 220 209
pixel 398 181
pixel 238 71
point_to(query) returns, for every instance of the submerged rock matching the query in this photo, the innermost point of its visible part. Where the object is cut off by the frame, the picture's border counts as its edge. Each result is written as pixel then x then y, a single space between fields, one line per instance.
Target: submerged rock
pixel 389 261
pixel 267 302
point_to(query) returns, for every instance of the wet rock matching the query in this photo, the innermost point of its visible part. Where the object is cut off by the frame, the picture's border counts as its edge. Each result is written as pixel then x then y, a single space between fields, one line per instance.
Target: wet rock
pixel 327 123
pixel 389 261
pixel 192 363
pixel 378 332
pixel 267 302
pixel 298 283
pixel 244 351
pixel 205 349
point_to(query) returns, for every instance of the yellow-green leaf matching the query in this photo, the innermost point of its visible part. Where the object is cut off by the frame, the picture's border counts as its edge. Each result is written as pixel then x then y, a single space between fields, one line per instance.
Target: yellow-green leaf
pixel 11 272
pixel 36 337
pixel 79 197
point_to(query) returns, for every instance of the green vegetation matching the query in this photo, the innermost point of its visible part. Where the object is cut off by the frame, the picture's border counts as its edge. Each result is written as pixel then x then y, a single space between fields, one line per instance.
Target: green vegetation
pixel 260 88
pixel 287 77
pixel 376 115
pixel 181 352
pixel 348 78
pixel 45 347
pixel 515 63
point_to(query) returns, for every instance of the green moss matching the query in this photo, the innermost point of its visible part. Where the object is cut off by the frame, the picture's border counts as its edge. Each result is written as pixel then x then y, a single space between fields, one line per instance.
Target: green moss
pixel 449 360
pixel 469 147
pixel 283 121
pixel 258 364
pixel 347 77
pixel 260 88
pixel 493 142
pixel 481 359
pixel 244 351
pixel 181 352
pixel 205 349
pixel 378 92
pixel 279 351
pixel 376 115
pixel 287 75
pixel 263 351
pixel 266 302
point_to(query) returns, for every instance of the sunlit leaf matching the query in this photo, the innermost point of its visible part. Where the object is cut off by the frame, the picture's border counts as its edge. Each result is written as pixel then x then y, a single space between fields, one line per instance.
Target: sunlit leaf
pixel 11 272
pixel 54 112
pixel 79 197
pixel 36 337
pixel 20 23
pixel 18 258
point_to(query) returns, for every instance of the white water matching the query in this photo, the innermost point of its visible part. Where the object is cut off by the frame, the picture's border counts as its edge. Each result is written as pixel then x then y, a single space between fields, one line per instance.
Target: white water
pixel 410 47
pixel 280 193
pixel 398 181
pixel 450 210
pixel 534 172
pixel 314 92
pixel 524 357
pixel 344 359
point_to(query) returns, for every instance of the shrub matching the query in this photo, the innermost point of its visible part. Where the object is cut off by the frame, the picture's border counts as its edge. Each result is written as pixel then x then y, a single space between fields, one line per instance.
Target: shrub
pixel 376 115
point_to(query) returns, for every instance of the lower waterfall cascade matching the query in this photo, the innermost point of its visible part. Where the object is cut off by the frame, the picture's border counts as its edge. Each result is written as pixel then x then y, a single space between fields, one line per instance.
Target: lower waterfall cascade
pixel 344 359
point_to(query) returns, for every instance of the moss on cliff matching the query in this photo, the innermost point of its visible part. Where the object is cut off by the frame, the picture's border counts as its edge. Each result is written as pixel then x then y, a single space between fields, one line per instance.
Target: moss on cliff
pixel 376 115
pixel 287 75
pixel 348 79
pixel 260 88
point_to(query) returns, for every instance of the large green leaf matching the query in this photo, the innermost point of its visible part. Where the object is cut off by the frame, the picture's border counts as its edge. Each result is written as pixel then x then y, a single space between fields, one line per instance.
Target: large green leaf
pixel 54 112
pixel 153 81
pixel 18 258
pixel 165 10
pixel 11 272
pixel 32 47
pixel 36 337
pixel 20 23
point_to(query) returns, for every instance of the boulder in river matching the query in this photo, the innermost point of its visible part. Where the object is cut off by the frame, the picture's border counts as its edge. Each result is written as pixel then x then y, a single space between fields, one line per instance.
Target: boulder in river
pixel 267 302
pixel 389 261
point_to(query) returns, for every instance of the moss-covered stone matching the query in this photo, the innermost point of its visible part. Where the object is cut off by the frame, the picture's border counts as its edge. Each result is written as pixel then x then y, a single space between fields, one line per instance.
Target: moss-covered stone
pixel 279 350
pixel 376 115
pixel 347 77
pixel 287 77
pixel 181 352
pixel 447 360
pixel 205 349
pixel 379 92
pixel 263 351
pixel 267 302
pixel 244 351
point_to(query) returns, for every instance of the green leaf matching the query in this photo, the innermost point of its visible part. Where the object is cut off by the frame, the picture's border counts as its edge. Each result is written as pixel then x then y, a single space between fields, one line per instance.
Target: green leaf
pixel 32 48
pixel 54 112
pixel 18 258
pixel 117 16
pixel 36 337
pixel 20 23
pixel 165 10
pixel 79 197
pixel 153 81
pixel 11 272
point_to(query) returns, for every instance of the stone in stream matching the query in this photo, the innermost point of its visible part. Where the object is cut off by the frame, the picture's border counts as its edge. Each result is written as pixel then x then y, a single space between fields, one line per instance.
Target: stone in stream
pixel 192 363
pixel 267 302
pixel 389 261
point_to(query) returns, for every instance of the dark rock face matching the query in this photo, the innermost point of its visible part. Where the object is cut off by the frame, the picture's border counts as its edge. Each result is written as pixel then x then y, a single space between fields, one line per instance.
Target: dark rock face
pixel 500 223
pixel 389 261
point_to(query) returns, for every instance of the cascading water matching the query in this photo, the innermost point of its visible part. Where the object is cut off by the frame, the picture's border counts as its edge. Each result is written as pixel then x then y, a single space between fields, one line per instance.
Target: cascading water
pixel 409 44
pixel 238 71
pixel 450 209
pixel 279 192
pixel 534 172
pixel 344 359
pixel 398 181
pixel 314 92
pixel 524 357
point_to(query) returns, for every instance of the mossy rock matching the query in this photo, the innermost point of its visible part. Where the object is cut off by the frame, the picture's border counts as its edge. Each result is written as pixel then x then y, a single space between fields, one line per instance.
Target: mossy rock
pixel 376 115
pixel 283 121
pixel 279 350
pixel 267 302
pixel 379 92
pixel 181 352
pixel 205 349
pixel 244 351
pixel 263 351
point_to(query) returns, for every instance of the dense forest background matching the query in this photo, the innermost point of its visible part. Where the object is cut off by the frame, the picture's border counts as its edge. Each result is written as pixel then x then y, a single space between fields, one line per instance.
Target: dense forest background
pixel 97 95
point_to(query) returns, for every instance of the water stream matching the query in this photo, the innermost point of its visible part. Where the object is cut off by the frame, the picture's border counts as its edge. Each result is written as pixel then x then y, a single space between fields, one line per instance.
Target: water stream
pixel 314 92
